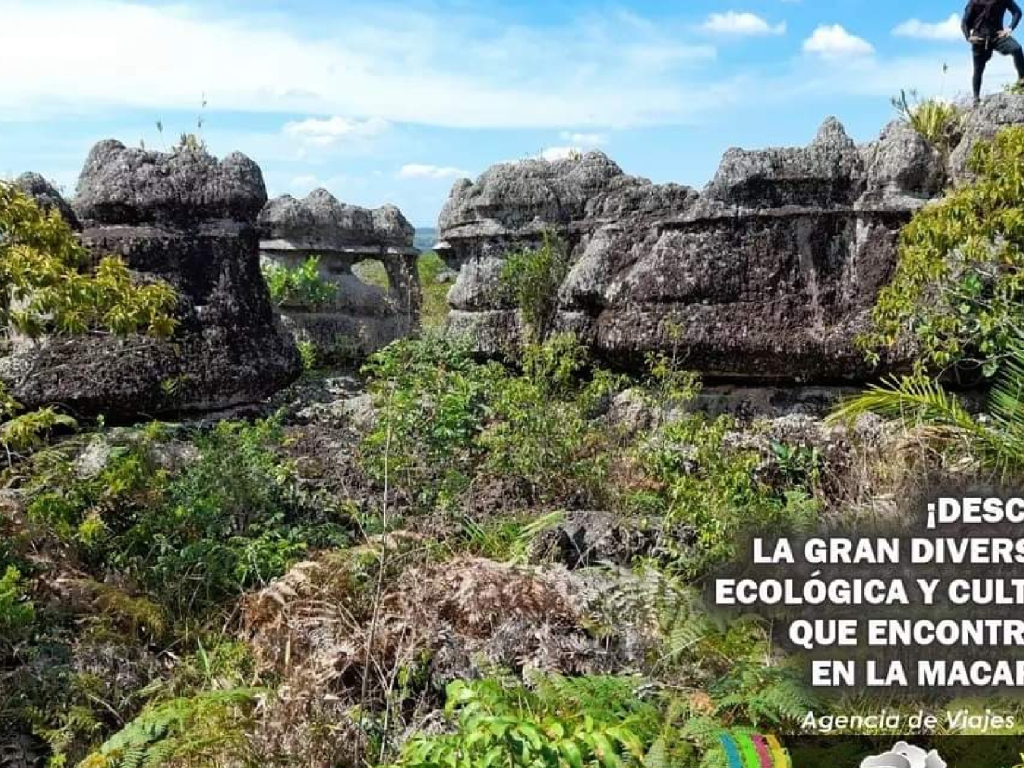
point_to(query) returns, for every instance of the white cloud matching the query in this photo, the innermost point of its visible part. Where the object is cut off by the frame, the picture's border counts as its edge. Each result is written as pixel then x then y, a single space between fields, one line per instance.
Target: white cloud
pixel 334 130
pixel 305 181
pixel 424 171
pixel 744 24
pixel 940 30
pixel 584 139
pixel 386 61
pixel 835 41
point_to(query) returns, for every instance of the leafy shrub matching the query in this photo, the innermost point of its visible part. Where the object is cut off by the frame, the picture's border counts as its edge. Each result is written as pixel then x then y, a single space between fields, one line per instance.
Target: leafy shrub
pixel 543 436
pixel 696 479
pixel 226 521
pixel 958 290
pixel 433 402
pixel 445 419
pixel 301 285
pixel 195 730
pixel 307 352
pixel 564 723
pixel 16 612
pixel 47 286
pixel 938 121
pixel 531 279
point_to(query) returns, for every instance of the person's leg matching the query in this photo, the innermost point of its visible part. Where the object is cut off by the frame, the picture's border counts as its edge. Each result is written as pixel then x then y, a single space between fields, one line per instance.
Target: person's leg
pixel 1008 46
pixel 982 53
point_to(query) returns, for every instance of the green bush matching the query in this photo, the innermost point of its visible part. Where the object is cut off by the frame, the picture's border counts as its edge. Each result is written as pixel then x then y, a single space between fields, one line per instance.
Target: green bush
pixel 445 419
pixel 938 121
pixel 597 722
pixel 694 478
pixel 228 520
pixel 47 284
pixel 531 279
pixel 543 435
pixel 16 611
pixel 958 291
pixel 300 285
pixel 433 401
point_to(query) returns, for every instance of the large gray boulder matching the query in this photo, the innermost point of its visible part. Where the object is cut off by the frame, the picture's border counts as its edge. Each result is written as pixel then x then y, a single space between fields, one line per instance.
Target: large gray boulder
pixel 769 274
pixel 360 318
pixel 187 219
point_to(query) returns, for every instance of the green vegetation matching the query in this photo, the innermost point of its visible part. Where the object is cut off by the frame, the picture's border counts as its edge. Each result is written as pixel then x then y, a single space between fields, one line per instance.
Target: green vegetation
pixel 536 431
pixel 230 520
pixel 938 121
pixel 434 311
pixel 590 721
pixel 47 284
pixel 16 612
pixel 183 731
pixel 531 278
pixel 301 285
pixel 308 354
pixel 958 288
pixel 995 438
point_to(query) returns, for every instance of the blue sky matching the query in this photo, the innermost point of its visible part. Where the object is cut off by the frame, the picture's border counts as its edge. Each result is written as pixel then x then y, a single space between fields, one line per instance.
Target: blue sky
pixel 384 101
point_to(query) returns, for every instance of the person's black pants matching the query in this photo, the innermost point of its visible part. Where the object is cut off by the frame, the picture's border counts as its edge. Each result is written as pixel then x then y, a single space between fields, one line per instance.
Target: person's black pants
pixel 1007 46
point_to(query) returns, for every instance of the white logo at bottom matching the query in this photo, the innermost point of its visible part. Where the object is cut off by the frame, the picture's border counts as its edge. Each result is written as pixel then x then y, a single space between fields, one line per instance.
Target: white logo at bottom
pixel 903 755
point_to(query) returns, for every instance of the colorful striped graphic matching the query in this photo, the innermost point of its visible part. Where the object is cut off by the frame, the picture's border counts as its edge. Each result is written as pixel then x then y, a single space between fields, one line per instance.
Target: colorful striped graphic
pixel 752 750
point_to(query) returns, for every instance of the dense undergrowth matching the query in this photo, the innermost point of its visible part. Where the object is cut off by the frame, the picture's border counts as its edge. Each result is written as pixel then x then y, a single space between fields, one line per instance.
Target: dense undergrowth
pixel 154 535
pixel 190 595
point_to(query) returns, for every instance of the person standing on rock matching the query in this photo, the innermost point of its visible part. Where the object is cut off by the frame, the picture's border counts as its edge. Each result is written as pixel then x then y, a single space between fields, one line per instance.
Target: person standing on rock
pixel 983 27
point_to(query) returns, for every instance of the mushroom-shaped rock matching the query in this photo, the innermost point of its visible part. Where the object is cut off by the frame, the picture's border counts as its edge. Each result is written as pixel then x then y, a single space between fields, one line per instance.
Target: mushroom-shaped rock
pixel 769 275
pixel 321 221
pixel 125 185
pixel 189 220
pixel 360 318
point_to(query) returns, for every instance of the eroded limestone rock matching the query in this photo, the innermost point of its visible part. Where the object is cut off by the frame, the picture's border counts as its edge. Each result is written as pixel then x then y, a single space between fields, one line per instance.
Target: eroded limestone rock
pixel 360 318
pixel 768 274
pixel 189 219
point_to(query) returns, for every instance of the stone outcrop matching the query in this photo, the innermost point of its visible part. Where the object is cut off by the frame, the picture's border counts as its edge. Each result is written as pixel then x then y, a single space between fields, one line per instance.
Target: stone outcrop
pixel 190 220
pixel 47 197
pixel 360 318
pixel 994 112
pixel 768 274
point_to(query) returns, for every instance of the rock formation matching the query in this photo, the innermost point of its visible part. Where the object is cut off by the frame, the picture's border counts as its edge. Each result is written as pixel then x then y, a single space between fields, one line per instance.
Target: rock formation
pixel 188 219
pixel 768 274
pixel 47 197
pixel 994 112
pixel 361 318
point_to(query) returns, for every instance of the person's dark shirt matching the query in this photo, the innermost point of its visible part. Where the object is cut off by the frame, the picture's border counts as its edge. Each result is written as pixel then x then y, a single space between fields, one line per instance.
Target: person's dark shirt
pixel 984 18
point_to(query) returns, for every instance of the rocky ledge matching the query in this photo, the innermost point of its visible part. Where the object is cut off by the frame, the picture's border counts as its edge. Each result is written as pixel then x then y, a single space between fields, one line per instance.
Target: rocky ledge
pixel 768 274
